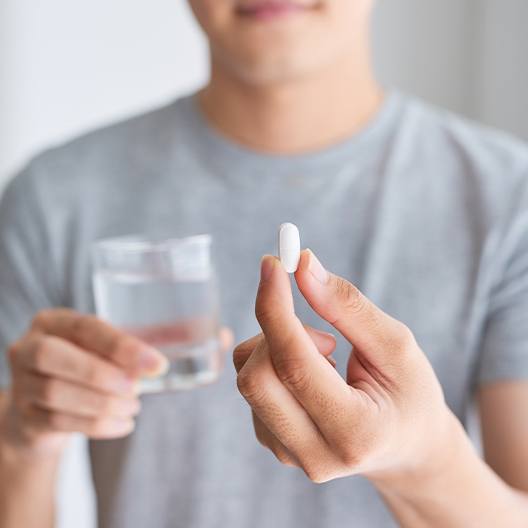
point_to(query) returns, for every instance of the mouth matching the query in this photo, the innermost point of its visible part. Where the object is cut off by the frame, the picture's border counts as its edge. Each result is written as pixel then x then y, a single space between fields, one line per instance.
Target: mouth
pixel 262 10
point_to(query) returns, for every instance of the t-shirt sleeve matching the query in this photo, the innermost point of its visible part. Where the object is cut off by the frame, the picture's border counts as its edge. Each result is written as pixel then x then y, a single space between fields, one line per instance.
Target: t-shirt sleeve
pixel 504 347
pixel 25 267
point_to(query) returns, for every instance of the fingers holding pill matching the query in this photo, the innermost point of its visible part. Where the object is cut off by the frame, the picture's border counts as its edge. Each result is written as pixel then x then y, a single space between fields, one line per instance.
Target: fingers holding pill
pixel 303 410
pixel 379 337
pixel 299 365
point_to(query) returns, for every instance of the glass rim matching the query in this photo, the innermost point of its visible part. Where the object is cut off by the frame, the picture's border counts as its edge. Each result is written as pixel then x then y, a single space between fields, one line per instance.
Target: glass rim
pixel 146 244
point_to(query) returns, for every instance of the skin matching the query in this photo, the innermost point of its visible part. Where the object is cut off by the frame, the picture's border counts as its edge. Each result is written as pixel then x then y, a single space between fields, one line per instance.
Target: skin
pixel 387 420
pixel 265 78
pixel 71 373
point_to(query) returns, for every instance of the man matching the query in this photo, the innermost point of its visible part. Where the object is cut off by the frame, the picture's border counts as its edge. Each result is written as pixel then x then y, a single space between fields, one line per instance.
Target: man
pixel 424 212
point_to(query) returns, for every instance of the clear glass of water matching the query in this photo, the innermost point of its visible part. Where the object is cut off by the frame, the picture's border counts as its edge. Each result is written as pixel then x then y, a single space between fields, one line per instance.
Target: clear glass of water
pixel 165 293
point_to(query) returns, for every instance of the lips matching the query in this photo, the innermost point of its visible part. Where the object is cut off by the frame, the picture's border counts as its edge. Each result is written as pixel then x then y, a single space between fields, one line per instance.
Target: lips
pixel 270 9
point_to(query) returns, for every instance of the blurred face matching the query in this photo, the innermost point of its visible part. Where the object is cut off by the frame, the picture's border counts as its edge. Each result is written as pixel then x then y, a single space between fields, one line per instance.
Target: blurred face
pixel 266 41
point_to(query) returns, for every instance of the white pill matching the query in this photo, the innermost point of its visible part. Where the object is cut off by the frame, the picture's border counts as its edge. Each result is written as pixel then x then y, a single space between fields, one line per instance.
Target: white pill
pixel 289 247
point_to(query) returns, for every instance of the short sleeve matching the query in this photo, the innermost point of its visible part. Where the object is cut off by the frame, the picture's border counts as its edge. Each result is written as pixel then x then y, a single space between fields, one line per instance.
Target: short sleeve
pixel 25 274
pixel 504 345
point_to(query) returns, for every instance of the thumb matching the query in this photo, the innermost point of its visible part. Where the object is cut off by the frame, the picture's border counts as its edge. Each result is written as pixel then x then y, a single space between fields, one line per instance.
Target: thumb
pixel 375 334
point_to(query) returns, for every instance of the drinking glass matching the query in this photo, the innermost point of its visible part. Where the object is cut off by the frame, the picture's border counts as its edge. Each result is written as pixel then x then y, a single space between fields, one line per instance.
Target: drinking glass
pixel 165 293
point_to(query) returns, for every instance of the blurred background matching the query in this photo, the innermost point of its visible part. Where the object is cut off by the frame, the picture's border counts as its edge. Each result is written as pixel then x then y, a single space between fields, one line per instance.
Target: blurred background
pixel 66 67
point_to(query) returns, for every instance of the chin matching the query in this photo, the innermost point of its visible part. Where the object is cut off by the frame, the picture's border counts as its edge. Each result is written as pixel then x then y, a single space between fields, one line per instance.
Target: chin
pixel 273 70
pixel 265 41
pixel 276 60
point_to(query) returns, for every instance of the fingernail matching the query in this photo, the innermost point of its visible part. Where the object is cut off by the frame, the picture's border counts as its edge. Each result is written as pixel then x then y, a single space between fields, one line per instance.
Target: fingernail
pixel 151 361
pixel 316 268
pixel 266 267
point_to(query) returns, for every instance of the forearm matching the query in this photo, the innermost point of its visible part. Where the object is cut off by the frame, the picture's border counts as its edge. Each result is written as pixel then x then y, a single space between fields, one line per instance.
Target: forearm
pixel 27 482
pixel 461 492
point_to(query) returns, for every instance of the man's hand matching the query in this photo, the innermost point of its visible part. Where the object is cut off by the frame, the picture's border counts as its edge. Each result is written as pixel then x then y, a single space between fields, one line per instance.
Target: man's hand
pixel 386 419
pixel 75 373
pixel 70 373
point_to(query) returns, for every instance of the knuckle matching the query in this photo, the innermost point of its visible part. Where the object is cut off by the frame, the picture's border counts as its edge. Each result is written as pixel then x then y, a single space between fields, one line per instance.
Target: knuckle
pixel 292 372
pixel 19 396
pixel 92 375
pixel 49 392
pixel 42 348
pixel 353 454
pixel 237 361
pixel 25 408
pixel 262 438
pixel 124 345
pixel 41 318
pixel 283 457
pixel 246 383
pixel 12 351
pixel 55 420
pixel 82 326
pixel 350 458
pixel 317 474
pixel 265 312
pixel 350 297
pixel 249 386
pixel 405 339
pixel 242 352
pixel 239 353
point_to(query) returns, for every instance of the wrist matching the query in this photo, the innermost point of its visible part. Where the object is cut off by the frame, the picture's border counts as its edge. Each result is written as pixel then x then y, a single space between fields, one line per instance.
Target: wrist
pixel 433 465
pixel 31 477
pixel 454 487
pixel 18 444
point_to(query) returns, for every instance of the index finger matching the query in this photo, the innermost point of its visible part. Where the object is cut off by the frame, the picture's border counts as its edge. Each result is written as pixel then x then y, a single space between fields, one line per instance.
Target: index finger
pixel 383 340
pixel 324 342
pixel 299 365
pixel 54 357
pixel 91 333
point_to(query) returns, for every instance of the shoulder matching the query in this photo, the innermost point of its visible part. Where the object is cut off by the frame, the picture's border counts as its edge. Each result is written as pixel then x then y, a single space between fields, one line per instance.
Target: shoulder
pixel 477 168
pixel 475 178
pixel 107 153
pixel 488 154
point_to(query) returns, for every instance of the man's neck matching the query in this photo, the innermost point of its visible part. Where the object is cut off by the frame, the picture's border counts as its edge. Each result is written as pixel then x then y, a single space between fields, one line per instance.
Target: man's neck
pixel 293 117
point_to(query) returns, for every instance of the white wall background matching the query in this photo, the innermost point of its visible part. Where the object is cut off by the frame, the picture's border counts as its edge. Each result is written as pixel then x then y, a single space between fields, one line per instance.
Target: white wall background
pixel 67 66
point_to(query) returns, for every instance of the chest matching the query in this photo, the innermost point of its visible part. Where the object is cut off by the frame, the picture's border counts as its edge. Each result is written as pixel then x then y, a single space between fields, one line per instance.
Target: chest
pixel 402 255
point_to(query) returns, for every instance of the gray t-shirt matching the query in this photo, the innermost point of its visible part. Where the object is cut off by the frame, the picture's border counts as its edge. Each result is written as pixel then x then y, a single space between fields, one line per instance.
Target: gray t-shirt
pixel 426 213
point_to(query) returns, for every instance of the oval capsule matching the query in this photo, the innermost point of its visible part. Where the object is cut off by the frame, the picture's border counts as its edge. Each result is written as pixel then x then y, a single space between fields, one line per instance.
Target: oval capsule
pixel 289 246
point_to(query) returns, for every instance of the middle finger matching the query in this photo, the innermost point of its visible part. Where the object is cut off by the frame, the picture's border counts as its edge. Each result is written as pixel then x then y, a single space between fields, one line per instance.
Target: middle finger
pixel 59 395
